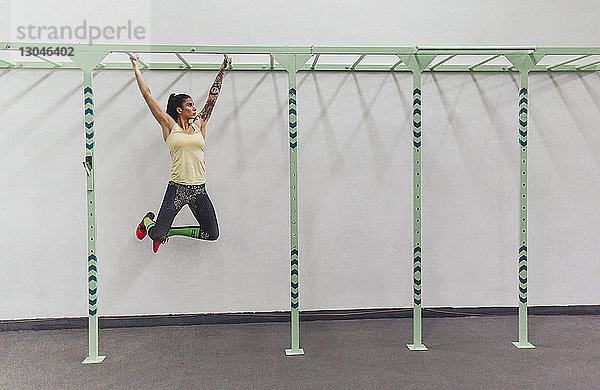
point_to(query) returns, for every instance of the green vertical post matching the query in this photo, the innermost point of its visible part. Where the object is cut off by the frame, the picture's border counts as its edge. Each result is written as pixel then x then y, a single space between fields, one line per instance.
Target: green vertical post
pixel 86 61
pixel 522 262
pixel 292 62
pixel 417 64
pixel 522 256
pixel 92 264
pixel 524 64
pixel 417 344
pixel 293 128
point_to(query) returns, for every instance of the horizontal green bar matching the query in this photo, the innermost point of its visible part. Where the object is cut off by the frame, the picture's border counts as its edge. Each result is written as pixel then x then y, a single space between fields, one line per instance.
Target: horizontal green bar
pixel 567 50
pixel 162 48
pixel 369 50
pixel 320 67
pixel 476 48
pixel 333 50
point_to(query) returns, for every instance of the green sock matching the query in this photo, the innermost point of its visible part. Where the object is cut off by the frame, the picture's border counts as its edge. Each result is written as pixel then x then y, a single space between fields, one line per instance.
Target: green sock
pixel 148 223
pixel 188 231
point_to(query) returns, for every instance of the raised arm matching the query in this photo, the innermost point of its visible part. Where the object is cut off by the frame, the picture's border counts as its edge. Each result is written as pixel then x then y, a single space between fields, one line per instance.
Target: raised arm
pixel 165 120
pixel 204 115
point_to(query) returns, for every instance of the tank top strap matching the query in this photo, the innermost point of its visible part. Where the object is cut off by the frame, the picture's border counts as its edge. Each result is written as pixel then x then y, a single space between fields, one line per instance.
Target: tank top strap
pixel 176 127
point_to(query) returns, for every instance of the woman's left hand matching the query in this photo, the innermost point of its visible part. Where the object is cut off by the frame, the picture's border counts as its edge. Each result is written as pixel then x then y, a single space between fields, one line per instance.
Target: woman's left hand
pixel 226 63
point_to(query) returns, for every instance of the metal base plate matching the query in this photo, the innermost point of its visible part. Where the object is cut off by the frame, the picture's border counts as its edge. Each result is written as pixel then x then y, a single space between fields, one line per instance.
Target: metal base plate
pixel 525 345
pixel 413 347
pixel 97 359
pixel 291 352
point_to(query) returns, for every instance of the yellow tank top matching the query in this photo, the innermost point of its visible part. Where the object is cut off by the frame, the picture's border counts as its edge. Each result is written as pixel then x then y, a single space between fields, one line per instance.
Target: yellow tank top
pixel 187 154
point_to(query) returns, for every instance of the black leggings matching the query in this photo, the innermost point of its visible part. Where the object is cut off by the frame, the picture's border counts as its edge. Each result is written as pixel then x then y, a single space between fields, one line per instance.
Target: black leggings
pixel 178 195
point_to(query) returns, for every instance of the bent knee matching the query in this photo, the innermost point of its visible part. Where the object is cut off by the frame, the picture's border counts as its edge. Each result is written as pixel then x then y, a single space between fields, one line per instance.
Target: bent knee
pixel 156 235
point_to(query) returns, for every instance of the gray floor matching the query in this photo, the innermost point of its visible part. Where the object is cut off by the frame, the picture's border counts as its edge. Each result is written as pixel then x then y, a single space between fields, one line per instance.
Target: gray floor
pixel 464 353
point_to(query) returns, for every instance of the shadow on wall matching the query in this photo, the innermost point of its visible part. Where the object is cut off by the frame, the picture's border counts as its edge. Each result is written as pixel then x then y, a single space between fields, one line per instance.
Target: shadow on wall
pixel 376 137
pixel 34 124
pixel 328 134
pixel 492 112
pixel 574 108
pixel 234 117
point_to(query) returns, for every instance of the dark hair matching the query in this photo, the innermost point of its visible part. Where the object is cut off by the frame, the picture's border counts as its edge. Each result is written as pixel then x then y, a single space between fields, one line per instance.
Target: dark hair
pixel 175 101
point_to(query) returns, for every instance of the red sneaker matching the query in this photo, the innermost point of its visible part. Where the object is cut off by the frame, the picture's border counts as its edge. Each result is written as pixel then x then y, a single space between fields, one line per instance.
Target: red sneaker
pixel 140 232
pixel 156 244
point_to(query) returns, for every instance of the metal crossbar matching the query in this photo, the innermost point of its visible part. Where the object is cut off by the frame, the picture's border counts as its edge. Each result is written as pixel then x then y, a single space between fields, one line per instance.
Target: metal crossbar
pixel 489 53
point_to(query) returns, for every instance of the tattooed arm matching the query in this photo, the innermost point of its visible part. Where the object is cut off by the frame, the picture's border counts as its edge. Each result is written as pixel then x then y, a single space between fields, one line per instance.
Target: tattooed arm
pixel 204 115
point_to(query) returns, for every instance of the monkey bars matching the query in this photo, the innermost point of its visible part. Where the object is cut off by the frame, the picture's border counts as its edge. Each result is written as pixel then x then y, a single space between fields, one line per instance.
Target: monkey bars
pixel 415 59
pixel 487 54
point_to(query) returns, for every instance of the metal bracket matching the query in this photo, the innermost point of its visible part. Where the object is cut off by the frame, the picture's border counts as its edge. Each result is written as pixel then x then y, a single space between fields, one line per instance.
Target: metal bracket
pixel 291 62
pixel 416 63
pixel 524 63
pixel 87 164
pixel 88 60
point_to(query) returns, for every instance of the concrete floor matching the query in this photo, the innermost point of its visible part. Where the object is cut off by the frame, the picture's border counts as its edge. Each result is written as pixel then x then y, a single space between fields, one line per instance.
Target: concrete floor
pixel 464 353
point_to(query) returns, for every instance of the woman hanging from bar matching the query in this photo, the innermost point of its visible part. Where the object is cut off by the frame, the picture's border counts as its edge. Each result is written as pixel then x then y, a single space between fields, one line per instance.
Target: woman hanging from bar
pixel 184 132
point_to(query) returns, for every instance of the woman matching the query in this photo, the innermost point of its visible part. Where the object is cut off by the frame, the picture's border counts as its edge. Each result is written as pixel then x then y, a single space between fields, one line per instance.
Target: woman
pixel 186 143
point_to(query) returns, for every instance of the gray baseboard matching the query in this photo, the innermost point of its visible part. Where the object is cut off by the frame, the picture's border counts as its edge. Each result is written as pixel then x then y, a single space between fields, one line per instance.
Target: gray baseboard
pixel 283 316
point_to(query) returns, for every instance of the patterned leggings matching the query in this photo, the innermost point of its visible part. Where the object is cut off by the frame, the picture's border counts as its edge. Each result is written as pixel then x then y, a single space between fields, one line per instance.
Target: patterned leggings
pixel 178 195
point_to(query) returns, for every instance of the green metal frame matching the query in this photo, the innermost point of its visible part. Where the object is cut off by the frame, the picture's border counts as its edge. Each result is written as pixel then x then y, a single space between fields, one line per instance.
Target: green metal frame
pixel 415 59
pixel 488 53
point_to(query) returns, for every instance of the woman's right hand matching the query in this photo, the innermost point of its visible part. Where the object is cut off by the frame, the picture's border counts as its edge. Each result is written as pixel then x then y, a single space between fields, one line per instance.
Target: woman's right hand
pixel 134 61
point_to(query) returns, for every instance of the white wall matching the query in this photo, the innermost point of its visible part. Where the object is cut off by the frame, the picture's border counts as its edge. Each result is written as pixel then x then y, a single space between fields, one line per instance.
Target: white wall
pixel 355 168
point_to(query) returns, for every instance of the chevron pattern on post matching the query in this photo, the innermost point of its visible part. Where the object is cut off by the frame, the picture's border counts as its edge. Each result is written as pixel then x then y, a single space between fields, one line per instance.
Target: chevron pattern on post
pixel 92 285
pixel 417 118
pixel 293 119
pixel 294 269
pixel 417 275
pixel 523 196
pixel 417 192
pixel 523 117
pixel 88 95
pixel 523 274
